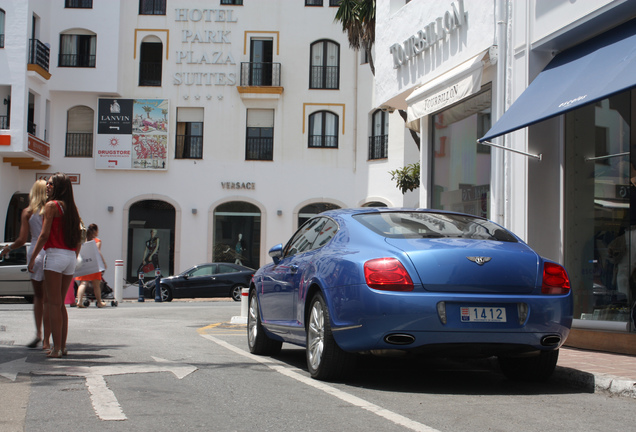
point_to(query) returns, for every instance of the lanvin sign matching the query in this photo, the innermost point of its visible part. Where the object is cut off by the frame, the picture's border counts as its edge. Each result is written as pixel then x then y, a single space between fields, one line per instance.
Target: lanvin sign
pixel 433 32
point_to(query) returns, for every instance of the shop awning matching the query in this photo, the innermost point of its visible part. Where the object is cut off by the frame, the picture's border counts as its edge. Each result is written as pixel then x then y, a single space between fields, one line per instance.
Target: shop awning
pixel 586 73
pixel 451 87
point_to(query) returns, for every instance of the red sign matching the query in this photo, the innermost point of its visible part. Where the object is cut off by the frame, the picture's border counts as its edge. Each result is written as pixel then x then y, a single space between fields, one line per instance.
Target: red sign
pixel 75 178
pixel 39 147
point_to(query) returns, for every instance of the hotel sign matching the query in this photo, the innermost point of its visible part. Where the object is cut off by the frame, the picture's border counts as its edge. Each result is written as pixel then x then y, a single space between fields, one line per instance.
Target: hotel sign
pixel 426 38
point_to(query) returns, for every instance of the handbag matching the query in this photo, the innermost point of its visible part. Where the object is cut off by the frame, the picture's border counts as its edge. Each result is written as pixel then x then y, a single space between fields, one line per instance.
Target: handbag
pixel 147 268
pixel 89 260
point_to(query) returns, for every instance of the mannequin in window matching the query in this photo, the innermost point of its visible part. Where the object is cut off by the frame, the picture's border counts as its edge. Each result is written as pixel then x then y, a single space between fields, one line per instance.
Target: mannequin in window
pixel 239 249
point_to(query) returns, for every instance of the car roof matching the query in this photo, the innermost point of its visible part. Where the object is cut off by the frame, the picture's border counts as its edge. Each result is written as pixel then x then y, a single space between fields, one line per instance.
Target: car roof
pixel 365 210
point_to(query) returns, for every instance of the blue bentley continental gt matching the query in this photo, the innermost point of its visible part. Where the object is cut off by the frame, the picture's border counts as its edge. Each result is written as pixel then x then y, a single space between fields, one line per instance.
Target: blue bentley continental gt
pixel 428 282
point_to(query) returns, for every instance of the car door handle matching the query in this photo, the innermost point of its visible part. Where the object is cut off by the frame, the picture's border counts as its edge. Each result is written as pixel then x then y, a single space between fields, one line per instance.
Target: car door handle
pixel 293 269
pixel 24 270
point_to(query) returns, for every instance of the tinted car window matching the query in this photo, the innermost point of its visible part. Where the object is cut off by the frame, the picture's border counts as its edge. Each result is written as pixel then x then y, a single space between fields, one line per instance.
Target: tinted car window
pixel 314 233
pixel 202 271
pixel 223 268
pixel 432 225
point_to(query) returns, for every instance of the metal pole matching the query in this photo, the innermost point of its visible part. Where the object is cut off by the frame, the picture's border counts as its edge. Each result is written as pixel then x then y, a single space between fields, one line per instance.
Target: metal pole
pixel 141 287
pixel 119 278
pixel 158 285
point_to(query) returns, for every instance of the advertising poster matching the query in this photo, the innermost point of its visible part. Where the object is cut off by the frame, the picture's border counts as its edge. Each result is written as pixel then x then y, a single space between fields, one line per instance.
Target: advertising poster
pixel 132 134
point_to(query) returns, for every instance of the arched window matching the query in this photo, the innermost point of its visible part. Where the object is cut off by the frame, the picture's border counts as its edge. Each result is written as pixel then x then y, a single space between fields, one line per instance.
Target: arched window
pixel 323 130
pixel 237 234
pixel 151 225
pixel 150 62
pixel 379 139
pixel 79 132
pixel 2 15
pixel 312 210
pixel 324 65
pixel 78 48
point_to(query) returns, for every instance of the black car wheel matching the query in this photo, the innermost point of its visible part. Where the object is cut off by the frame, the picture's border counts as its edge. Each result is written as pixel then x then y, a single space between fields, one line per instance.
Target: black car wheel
pixel 166 293
pixel 237 292
pixel 530 369
pixel 257 340
pixel 325 359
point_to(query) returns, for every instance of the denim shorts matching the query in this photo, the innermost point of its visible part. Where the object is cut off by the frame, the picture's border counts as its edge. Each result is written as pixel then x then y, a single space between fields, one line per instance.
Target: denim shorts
pixel 60 261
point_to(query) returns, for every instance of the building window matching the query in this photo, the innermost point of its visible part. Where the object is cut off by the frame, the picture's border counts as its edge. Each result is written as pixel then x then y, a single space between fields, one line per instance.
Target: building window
pixel 323 130
pixel 150 64
pixel 189 140
pixel 379 139
pixel 77 50
pixel 334 3
pixel 78 4
pixel 324 65
pixel 237 234
pixel 152 7
pixel 79 132
pixel 232 2
pixel 461 173
pixel 259 137
pixel 313 2
pixel 2 15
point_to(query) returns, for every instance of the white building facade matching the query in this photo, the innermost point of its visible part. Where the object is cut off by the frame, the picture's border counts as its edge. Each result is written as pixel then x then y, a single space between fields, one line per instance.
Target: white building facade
pixel 214 127
pixel 548 87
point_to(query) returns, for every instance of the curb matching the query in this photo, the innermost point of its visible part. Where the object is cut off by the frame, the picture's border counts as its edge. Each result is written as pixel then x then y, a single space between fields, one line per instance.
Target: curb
pixel 596 383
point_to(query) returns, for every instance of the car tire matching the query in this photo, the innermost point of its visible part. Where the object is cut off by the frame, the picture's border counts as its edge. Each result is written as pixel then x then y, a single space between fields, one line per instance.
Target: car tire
pixel 326 361
pixel 166 293
pixel 237 292
pixel 257 341
pixel 529 369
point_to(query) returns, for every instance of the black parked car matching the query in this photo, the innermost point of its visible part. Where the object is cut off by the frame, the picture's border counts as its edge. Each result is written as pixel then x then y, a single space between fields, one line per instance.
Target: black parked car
pixel 204 281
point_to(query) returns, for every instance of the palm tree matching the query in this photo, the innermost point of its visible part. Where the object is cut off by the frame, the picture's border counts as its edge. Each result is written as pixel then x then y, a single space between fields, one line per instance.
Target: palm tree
pixel 358 21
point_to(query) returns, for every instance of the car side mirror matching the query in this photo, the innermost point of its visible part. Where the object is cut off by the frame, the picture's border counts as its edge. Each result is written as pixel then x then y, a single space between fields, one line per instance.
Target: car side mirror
pixel 276 253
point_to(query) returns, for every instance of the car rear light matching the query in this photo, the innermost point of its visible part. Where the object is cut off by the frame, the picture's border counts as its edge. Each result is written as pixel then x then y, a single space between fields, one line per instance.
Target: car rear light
pixel 387 274
pixel 555 279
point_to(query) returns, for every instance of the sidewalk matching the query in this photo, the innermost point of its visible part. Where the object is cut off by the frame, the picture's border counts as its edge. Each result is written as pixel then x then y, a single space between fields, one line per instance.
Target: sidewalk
pixel 597 371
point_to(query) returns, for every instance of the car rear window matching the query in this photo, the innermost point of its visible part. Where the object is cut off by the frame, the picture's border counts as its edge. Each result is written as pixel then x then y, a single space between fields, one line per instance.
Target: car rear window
pixel 409 225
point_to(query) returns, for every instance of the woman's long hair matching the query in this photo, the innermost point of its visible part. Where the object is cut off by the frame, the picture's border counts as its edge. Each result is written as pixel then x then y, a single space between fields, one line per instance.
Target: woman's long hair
pixel 63 191
pixel 37 197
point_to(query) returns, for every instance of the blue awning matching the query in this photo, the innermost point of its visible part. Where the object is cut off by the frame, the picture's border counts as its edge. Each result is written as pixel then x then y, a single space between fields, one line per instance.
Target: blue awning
pixel 586 73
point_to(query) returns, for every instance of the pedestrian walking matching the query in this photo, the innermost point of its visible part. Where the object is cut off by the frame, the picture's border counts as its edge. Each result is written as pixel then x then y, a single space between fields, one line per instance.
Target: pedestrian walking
pixel 60 237
pixel 30 227
pixel 94 279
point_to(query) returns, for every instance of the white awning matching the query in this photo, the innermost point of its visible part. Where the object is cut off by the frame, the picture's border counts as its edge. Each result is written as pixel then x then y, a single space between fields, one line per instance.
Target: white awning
pixel 447 89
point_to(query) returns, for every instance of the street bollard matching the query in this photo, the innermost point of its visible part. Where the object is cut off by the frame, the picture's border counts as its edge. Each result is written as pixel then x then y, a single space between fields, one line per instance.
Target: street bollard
pixel 245 298
pixel 119 279
pixel 158 285
pixel 141 287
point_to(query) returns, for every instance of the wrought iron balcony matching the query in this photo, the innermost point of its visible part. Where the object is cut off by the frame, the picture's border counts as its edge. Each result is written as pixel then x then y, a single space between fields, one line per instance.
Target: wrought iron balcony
pixel 378 147
pixel 76 60
pixel 259 149
pixel 39 54
pixel 150 74
pixel 255 74
pixel 31 128
pixel 79 144
pixel 1 40
pixel 4 122
pixel 189 147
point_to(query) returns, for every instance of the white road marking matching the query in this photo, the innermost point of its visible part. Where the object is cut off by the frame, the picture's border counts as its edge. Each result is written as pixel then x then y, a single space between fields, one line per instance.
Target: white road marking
pixel 103 399
pixel 346 397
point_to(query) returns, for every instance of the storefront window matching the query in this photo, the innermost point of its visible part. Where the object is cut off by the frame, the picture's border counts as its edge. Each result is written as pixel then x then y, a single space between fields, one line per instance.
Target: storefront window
pixel 237 234
pixel 600 240
pixel 150 239
pixel 460 167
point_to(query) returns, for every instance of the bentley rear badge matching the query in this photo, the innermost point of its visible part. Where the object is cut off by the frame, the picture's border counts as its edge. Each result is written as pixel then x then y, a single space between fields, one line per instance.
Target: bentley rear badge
pixel 479 260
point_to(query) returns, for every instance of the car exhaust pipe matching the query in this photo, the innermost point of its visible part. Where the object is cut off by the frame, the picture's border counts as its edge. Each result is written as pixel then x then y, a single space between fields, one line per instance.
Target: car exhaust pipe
pixel 399 339
pixel 552 340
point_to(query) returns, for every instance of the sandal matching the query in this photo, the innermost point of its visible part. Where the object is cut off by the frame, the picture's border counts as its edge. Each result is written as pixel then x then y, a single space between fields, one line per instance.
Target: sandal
pixel 100 305
pixel 37 341
pixel 54 353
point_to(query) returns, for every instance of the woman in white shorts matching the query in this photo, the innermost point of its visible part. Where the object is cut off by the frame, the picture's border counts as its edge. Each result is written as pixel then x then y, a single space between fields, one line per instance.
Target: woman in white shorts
pixel 31 223
pixel 60 238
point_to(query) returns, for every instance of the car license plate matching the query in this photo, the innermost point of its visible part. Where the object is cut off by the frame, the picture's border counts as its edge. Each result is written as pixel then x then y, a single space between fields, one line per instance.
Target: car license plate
pixel 483 314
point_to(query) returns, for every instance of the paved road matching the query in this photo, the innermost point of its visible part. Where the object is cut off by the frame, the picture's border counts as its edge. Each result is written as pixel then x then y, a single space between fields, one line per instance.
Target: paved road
pixel 183 366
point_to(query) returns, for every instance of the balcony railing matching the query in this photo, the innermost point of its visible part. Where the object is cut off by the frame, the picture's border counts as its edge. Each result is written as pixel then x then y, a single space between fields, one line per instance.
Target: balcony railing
pixel 31 128
pixel 323 141
pixel 76 60
pixel 1 40
pixel 260 74
pixel 325 77
pixel 81 4
pixel 150 74
pixel 189 147
pixel 39 54
pixel 378 147
pixel 79 144
pixel 4 122
pixel 259 149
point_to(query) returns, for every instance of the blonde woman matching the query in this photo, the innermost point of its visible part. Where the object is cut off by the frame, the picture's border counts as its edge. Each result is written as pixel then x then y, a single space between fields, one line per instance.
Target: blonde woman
pixel 31 223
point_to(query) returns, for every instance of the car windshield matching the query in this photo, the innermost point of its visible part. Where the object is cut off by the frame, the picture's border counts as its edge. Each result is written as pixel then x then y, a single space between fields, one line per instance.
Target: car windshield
pixel 409 225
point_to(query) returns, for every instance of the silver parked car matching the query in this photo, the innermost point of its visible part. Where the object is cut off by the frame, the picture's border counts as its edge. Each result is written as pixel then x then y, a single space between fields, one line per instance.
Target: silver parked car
pixel 14 275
